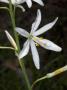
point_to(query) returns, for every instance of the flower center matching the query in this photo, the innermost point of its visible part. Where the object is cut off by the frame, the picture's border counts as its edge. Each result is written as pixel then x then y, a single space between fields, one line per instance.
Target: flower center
pixel 30 36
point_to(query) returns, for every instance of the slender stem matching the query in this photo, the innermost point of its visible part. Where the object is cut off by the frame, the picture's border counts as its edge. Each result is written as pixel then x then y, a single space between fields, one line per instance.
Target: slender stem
pixel 25 75
pixel 27 83
pixel 4 8
pixel 38 80
pixel 13 23
pixel 3 47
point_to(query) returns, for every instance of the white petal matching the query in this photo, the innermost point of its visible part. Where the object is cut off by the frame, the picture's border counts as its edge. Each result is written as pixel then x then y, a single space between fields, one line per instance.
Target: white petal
pixel 25 50
pixel 45 28
pixel 22 32
pixel 21 1
pixel 47 44
pixel 13 1
pixel 29 3
pixel 37 22
pixel 18 1
pixel 35 55
pixel 11 39
pixel 51 46
pixel 39 2
pixel 4 1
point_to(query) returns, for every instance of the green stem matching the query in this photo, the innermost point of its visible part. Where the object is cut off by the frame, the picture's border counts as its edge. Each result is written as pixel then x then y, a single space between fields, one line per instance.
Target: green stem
pixel 25 75
pixel 4 8
pixel 3 47
pixel 13 24
pixel 27 83
pixel 38 80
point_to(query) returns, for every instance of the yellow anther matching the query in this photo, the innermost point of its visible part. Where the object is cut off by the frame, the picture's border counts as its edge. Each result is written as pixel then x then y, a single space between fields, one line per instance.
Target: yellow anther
pixel 37 43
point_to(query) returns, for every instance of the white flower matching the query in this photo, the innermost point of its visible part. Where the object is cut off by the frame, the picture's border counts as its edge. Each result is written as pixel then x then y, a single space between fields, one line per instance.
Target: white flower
pixel 32 39
pixel 29 2
pixel 12 41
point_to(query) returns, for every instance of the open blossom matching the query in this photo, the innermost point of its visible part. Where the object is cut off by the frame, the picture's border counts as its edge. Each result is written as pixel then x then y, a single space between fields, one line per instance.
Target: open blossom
pixel 32 39
pixel 29 2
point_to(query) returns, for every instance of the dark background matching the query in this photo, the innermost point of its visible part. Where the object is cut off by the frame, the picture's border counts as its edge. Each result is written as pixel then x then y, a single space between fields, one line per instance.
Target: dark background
pixel 10 73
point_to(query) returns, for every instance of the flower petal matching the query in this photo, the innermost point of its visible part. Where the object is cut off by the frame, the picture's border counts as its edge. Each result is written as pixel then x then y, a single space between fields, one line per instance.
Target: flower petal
pixel 29 3
pixel 45 28
pixel 39 2
pixel 51 46
pixel 35 55
pixel 13 1
pixel 22 32
pixel 37 22
pixel 11 39
pixel 25 50
pixel 4 1
pixel 18 1
pixel 47 44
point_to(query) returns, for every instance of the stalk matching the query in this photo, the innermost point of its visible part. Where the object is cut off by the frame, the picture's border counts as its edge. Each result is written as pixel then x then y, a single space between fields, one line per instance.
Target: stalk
pixel 11 11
